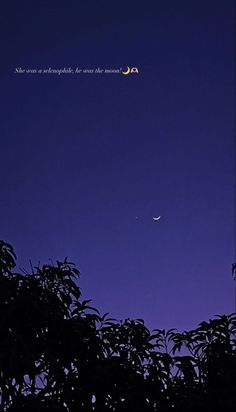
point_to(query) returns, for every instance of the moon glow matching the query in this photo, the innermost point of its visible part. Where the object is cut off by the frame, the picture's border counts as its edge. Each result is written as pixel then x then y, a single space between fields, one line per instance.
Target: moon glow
pixel 127 72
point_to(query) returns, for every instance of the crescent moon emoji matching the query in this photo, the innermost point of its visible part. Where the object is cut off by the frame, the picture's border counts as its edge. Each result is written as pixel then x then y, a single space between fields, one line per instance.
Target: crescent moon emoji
pixel 156 218
pixel 127 72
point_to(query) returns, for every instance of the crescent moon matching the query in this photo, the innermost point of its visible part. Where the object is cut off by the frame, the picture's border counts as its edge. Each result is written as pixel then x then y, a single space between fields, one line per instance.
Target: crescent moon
pixel 128 70
pixel 156 218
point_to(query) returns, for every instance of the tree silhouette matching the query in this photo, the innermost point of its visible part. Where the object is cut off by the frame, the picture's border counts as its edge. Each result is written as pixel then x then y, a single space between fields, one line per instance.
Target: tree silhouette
pixel 57 353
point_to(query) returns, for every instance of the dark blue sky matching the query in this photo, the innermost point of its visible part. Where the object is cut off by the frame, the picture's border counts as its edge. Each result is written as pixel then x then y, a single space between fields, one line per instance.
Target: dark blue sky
pixel 82 156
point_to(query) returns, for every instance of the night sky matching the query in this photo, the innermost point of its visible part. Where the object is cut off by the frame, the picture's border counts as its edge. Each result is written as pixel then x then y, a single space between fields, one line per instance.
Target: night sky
pixel 88 159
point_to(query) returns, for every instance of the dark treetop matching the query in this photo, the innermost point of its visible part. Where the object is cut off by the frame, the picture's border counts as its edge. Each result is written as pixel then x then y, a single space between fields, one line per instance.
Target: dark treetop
pixel 58 354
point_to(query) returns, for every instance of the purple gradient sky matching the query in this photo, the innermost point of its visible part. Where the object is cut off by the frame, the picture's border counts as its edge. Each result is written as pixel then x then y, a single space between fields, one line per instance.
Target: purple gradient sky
pixel 82 156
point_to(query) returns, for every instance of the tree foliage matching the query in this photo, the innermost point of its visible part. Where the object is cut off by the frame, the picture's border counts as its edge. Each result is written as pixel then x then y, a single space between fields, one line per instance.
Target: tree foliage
pixel 58 354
